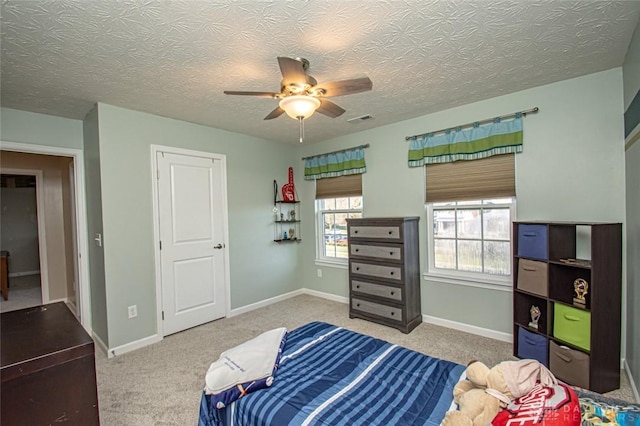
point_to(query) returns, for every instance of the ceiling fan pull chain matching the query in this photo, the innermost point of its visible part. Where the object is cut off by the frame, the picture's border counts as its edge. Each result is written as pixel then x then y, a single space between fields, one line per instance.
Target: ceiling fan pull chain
pixel 301 121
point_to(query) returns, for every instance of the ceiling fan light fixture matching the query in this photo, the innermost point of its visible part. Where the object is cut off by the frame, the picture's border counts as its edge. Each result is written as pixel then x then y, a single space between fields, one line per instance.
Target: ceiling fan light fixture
pixel 299 106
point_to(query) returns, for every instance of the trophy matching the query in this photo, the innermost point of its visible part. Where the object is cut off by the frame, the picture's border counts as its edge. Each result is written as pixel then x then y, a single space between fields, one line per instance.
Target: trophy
pixel 581 288
pixel 535 316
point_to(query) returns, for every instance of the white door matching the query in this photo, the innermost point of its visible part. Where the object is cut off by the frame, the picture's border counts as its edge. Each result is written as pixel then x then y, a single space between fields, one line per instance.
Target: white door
pixel 192 242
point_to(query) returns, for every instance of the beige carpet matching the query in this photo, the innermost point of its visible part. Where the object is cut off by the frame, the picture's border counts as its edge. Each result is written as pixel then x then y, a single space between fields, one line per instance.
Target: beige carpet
pixel 161 384
pixel 24 293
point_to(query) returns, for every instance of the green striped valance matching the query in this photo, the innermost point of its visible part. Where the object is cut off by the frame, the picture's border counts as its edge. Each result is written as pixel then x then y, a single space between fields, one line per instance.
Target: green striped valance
pixel 499 137
pixel 341 163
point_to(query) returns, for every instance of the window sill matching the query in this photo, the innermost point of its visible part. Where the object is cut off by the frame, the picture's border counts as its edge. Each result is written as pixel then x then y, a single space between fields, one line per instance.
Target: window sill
pixel 341 264
pixel 496 284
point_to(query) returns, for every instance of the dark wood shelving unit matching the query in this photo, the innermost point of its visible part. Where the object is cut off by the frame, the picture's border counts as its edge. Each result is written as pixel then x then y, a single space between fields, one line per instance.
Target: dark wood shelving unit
pixel 587 334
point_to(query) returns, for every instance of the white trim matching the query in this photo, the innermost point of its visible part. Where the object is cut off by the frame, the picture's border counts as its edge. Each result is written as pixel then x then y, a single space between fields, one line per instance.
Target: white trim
pixel 155 149
pixel 332 264
pixel 101 345
pixel 634 388
pixel 132 346
pixel 266 302
pixel 479 331
pixel 81 217
pixel 42 229
pixel 328 296
pixel 469 283
pixel 23 274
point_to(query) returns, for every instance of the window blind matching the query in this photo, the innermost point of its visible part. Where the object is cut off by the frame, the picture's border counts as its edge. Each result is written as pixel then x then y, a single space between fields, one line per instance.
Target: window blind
pixel 491 177
pixel 341 186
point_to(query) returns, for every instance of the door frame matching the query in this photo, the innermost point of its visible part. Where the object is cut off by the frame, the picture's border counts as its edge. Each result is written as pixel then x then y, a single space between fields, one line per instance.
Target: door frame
pixel 82 232
pixel 42 232
pixel 155 150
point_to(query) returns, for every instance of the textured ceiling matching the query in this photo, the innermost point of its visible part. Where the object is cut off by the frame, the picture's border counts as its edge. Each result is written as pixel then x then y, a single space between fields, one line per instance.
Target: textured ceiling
pixel 175 58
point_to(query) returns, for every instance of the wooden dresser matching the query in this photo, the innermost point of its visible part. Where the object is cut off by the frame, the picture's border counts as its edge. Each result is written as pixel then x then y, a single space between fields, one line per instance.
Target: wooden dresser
pixel 47 369
pixel 384 271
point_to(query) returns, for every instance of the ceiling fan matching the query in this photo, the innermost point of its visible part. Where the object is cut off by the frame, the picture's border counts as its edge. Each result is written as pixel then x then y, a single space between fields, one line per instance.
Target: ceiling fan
pixel 300 94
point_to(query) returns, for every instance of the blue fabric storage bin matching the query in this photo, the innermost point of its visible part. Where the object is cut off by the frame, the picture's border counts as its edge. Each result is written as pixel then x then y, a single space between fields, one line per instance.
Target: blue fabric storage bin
pixel 532 346
pixel 532 241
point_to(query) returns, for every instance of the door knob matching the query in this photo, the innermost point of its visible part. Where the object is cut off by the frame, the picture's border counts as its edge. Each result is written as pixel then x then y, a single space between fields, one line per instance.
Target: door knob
pixel 219 246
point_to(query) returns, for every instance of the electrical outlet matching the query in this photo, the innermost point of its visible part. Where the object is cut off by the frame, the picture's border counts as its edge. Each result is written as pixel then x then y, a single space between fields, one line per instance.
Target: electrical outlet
pixel 133 311
pixel 319 272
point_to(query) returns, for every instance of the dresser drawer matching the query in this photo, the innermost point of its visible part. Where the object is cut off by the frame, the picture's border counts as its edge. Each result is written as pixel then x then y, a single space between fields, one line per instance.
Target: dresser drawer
pixel 572 325
pixel 379 290
pixel 376 251
pixel 379 309
pixel 391 232
pixel 378 271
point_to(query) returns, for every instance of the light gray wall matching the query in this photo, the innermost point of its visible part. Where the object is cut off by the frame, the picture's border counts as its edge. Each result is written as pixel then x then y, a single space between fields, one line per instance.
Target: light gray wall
pixel 572 168
pixel 97 283
pixel 40 129
pixel 19 222
pixel 631 72
pixel 259 268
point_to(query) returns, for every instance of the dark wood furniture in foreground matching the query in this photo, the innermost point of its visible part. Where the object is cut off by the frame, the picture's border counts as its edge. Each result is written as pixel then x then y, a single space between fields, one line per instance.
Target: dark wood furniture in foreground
pixel 47 368
pixel 4 274
pixel 384 271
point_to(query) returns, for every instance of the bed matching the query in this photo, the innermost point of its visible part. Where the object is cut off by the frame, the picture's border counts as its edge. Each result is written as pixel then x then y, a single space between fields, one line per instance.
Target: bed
pixel 332 376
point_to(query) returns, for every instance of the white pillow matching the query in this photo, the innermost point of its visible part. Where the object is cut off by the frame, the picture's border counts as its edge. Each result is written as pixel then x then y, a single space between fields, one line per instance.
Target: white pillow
pixel 252 360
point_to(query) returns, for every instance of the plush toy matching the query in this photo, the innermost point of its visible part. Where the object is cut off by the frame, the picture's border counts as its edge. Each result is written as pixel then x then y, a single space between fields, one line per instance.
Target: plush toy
pixel 486 391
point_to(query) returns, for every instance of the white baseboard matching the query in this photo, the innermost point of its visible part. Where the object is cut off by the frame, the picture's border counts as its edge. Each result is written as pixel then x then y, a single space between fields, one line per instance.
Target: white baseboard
pixel 263 303
pixel 132 346
pixel 328 296
pixel 62 299
pixel 485 332
pixel 98 341
pixel 634 388
pixel 22 274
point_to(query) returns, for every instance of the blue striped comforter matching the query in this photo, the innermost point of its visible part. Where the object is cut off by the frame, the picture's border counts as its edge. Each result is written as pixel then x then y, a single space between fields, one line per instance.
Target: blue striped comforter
pixel 332 376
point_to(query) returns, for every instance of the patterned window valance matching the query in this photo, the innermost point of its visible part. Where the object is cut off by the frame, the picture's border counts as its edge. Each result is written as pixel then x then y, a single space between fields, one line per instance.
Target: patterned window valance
pixel 499 137
pixel 340 163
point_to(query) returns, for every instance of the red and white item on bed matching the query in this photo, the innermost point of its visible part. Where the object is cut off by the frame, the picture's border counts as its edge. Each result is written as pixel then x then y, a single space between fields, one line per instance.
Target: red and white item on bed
pixel 555 405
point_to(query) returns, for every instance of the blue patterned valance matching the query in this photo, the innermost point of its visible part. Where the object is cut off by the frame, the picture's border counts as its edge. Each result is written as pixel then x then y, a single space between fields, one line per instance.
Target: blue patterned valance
pixel 340 163
pixel 499 137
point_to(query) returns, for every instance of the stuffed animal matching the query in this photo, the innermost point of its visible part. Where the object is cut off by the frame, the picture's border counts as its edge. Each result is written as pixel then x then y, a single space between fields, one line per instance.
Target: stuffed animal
pixel 486 391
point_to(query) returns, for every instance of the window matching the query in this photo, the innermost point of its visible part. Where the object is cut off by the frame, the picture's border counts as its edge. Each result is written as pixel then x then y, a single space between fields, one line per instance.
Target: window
pixel 471 239
pixel 332 214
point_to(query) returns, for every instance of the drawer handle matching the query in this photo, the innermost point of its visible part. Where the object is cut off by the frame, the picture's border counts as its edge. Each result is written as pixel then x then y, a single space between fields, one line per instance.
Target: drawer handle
pixel 357 268
pixel 357 250
pixel 529 269
pixel 393 292
pixel 391 273
pixel 390 232
pixel 529 234
pixel 390 253
pixel 358 305
pixel 393 313
pixel 571 318
pixel 358 286
pixel 563 357
pixel 355 232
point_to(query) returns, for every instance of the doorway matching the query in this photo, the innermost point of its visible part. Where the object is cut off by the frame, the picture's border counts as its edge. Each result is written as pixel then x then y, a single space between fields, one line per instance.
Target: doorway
pixel 71 188
pixel 190 209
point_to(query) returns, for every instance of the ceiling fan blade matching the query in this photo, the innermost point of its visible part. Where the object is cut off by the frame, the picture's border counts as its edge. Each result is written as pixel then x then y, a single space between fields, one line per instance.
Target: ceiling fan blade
pixel 261 94
pixel 346 87
pixel 274 114
pixel 329 109
pixel 292 71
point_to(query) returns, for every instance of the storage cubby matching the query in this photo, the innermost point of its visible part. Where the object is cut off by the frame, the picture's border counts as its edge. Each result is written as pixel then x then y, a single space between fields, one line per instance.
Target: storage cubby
pixel 580 342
